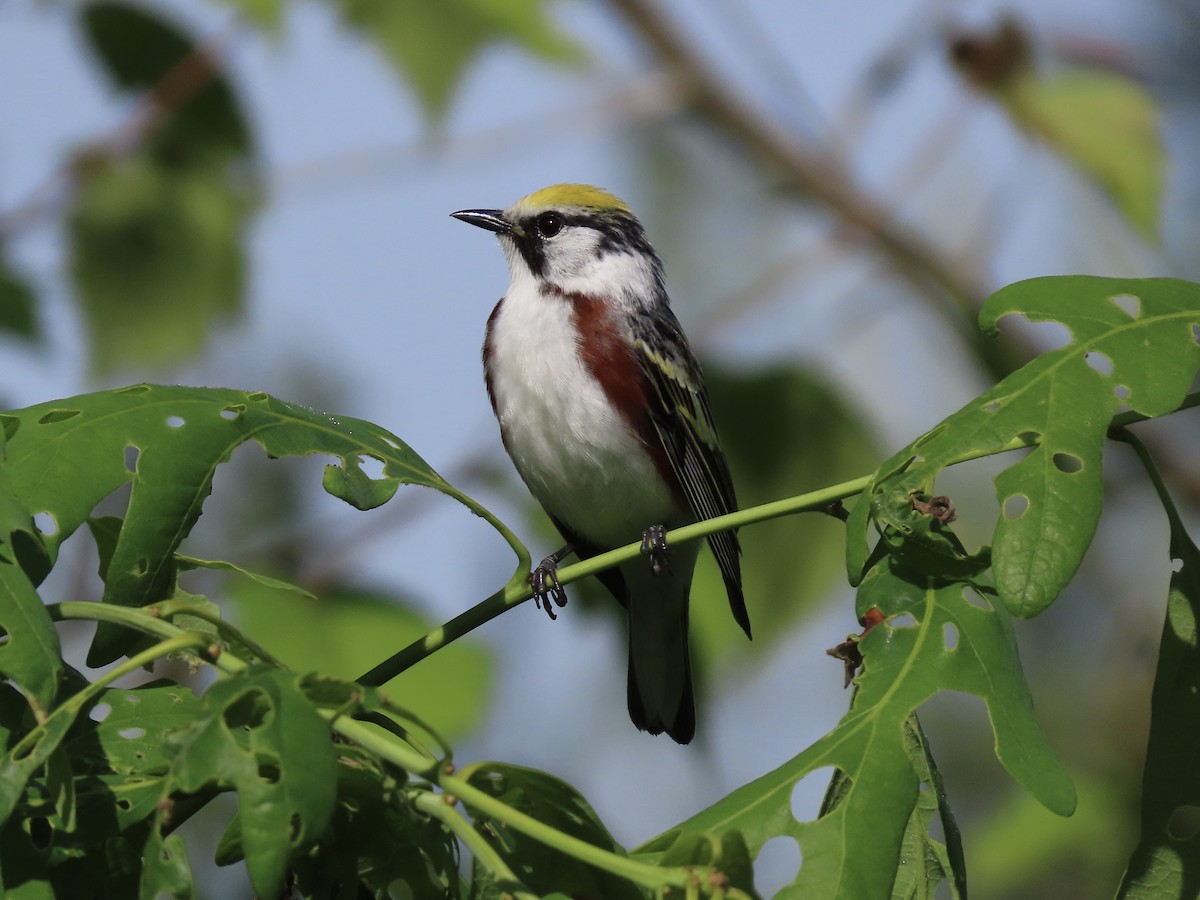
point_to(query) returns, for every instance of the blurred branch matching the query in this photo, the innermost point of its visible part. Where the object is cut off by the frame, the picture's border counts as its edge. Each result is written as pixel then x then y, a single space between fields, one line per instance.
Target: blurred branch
pixel 814 172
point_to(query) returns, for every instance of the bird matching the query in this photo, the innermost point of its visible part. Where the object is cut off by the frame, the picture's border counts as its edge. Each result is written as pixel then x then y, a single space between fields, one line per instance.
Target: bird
pixel 602 407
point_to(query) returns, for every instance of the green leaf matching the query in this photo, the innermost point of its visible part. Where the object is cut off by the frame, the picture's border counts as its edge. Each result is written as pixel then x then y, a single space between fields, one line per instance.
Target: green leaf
pixel 1106 124
pixel 726 852
pixel 432 44
pixel 377 839
pixel 165 870
pixel 266 14
pixel 67 455
pixel 347 631
pixel 30 655
pixel 258 732
pixel 18 313
pixel 156 234
pixel 141 51
pixel 1133 342
pixel 22 759
pixel 157 258
pixel 126 730
pixel 924 861
pixel 558 805
pixel 1166 862
pixel 185 563
pixel 957 641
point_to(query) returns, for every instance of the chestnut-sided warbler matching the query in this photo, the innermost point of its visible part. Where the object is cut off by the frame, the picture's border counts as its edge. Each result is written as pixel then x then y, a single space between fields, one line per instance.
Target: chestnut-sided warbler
pixel 602 408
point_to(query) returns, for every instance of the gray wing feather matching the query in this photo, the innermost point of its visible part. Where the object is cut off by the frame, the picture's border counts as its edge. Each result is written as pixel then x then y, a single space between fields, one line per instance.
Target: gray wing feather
pixel 684 424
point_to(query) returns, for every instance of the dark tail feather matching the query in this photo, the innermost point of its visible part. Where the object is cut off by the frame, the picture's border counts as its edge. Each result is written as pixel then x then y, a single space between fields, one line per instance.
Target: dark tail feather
pixel 661 696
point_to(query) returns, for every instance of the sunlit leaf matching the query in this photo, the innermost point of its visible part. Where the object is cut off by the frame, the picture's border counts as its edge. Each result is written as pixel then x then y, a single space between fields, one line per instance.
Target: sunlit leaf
pixel 959 639
pixel 67 455
pixel 258 732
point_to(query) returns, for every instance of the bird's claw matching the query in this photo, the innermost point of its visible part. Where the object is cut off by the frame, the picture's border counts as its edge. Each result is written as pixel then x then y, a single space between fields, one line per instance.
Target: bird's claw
pixel 544 582
pixel 654 545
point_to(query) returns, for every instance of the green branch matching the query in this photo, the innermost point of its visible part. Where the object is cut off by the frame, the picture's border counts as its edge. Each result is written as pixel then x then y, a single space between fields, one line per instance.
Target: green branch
pixel 517 590
pixel 689 878
pixel 440 807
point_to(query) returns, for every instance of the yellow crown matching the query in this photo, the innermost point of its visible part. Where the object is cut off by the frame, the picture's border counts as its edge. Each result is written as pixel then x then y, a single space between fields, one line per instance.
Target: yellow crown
pixel 559 195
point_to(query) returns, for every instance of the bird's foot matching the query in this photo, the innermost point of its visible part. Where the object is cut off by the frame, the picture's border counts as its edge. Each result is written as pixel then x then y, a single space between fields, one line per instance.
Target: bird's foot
pixel 544 581
pixel 654 545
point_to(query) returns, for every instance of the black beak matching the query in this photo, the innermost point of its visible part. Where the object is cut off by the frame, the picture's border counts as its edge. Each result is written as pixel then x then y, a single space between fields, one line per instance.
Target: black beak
pixel 489 219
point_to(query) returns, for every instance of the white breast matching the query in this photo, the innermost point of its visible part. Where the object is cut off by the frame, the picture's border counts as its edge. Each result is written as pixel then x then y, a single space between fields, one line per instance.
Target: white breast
pixel 571 447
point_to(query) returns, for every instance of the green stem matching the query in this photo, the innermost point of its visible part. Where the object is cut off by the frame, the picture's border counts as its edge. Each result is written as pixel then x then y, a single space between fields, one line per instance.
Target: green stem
pixel 151 623
pixel 641 873
pixel 168 609
pixel 517 590
pixel 438 806
pixel 407 758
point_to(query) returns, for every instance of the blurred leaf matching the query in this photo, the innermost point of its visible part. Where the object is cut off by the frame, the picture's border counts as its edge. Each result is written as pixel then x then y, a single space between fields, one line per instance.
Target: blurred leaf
pixel 258 732
pixel 1104 123
pixel 1133 342
pixel 815 439
pixel 157 231
pixel 142 51
pixel 18 313
pixel 347 631
pixel 157 258
pixel 65 456
pixel 432 44
pixel 555 803
pixel 959 640
pixel 266 14
pixel 1018 842
pixel 1166 862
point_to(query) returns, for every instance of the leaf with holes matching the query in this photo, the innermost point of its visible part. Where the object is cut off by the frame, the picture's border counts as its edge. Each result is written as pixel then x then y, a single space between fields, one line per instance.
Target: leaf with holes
pixel 1166 862
pixel 165 868
pixel 959 640
pixel 1134 342
pixel 258 732
pixel 557 805
pixel 65 456
pixel 30 654
pixel 125 730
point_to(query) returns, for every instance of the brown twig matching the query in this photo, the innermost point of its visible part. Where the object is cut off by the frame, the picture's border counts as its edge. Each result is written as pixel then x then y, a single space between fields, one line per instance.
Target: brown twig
pixel 816 174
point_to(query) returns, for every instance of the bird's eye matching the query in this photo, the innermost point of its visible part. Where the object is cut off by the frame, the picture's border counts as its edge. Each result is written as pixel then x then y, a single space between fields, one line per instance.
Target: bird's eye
pixel 549 224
